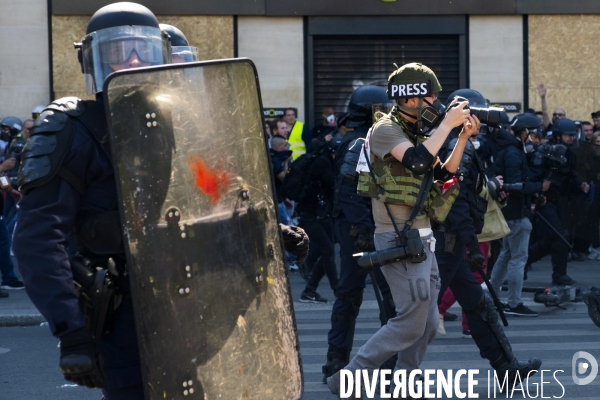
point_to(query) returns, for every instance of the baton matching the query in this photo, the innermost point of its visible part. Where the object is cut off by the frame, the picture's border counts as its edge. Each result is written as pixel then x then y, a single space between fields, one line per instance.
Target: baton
pixel 382 315
pixel 497 302
pixel 555 230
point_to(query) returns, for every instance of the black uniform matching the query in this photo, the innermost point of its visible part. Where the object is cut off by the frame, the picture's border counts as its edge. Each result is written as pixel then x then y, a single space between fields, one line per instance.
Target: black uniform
pixel 314 212
pixel 52 206
pixel 563 182
pixel 353 221
pixel 454 268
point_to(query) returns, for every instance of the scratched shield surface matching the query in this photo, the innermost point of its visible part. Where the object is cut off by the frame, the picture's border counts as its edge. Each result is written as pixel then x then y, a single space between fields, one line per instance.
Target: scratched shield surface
pixel 212 302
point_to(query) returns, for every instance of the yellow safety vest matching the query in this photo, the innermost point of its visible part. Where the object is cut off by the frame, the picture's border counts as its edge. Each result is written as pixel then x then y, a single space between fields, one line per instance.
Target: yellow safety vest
pixel 297 145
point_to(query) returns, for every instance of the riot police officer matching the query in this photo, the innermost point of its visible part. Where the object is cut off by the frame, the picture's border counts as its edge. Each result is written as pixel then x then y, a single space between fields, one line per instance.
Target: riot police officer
pixel 78 190
pixel 556 162
pixel 353 228
pixel 459 233
pixel 181 51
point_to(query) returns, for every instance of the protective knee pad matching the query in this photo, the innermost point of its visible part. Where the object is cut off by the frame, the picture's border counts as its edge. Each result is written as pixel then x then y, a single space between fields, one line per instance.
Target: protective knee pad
pixel 487 311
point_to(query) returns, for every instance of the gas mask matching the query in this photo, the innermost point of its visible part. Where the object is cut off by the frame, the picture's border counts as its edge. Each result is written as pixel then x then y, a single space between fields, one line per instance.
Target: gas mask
pixel 5 135
pixel 428 117
pixel 330 119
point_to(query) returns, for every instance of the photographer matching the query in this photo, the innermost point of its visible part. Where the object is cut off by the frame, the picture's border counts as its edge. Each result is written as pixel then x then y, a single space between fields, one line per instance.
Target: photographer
pixel 397 156
pixel 556 162
pixel 512 165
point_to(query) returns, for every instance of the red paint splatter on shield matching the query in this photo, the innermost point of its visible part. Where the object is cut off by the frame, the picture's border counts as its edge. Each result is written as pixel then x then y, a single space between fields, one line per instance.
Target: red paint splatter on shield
pixel 209 181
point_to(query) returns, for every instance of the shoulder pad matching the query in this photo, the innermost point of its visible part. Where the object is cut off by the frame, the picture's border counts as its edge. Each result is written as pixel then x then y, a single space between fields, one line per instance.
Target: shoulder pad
pixel 71 106
pixel 48 122
pixel 46 148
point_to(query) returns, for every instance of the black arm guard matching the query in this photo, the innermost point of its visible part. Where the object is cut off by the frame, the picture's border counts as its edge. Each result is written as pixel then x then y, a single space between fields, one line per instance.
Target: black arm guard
pixel 418 159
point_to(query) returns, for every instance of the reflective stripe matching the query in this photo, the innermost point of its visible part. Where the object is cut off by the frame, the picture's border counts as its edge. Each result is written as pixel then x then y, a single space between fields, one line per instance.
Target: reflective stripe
pixel 297 145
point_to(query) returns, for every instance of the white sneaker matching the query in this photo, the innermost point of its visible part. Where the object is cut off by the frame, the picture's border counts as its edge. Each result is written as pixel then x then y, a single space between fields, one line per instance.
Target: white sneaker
pixel 441 330
pixel 293 266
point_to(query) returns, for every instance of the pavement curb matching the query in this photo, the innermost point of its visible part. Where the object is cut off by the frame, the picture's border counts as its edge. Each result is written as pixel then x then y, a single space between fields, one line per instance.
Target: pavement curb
pixel 21 320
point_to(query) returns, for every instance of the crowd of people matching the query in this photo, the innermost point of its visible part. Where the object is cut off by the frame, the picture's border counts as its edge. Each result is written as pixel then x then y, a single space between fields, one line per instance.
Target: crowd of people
pixel 13 135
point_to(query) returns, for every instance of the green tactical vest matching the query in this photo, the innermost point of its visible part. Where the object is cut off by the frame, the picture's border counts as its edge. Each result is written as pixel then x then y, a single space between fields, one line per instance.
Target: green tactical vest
pixel 401 186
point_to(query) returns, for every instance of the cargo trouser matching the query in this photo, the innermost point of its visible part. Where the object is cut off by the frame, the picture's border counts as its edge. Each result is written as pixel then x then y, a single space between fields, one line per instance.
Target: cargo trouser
pixel 415 289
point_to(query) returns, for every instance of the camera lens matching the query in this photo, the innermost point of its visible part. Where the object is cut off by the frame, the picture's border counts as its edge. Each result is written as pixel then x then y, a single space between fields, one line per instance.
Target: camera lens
pixel 490 116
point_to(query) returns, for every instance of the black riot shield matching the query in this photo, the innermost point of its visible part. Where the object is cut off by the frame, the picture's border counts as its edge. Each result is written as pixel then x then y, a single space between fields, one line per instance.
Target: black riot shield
pixel 212 300
pixel 580 212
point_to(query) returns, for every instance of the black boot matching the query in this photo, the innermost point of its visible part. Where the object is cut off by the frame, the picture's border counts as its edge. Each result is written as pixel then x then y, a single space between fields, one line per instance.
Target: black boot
pixel 335 362
pixel 503 367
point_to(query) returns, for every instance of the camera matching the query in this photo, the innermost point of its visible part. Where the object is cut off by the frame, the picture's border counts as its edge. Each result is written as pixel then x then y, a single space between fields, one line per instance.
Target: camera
pixel 553 155
pixel 512 187
pixel 489 116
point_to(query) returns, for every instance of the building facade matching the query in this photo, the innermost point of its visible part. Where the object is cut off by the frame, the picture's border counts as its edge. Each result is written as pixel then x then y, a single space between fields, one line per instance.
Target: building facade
pixel 314 53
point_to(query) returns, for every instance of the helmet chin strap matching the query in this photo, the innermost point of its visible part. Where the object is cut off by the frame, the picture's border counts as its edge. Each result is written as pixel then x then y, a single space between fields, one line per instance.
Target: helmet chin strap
pixel 406 111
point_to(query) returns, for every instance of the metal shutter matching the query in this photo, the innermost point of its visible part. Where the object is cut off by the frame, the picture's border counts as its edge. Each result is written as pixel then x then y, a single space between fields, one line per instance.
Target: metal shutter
pixel 343 63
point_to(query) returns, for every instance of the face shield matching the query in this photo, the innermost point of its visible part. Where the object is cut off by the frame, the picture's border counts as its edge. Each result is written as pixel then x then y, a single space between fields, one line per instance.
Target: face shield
pixel 183 54
pixel 113 49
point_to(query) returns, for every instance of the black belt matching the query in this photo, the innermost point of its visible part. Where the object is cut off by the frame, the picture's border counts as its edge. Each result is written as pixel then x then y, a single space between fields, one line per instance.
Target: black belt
pixel 437 227
pixel 349 181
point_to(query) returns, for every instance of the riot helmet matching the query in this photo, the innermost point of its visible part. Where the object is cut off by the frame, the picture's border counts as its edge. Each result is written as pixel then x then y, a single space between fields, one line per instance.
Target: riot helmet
pixel 416 80
pixel 364 102
pixel 565 127
pixel 37 110
pixel 527 121
pixel 11 125
pixel 115 32
pixel 181 51
pixel 475 98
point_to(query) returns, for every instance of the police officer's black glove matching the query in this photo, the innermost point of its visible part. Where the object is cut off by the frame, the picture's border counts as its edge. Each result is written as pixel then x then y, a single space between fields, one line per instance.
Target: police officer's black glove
pixel 295 241
pixel 475 258
pixel 80 359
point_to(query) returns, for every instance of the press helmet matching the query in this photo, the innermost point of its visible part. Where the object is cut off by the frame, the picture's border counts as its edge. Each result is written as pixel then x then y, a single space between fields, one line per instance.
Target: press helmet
pixel 13 124
pixel 116 31
pixel 416 80
pixel 363 103
pixel 413 73
pixel 181 51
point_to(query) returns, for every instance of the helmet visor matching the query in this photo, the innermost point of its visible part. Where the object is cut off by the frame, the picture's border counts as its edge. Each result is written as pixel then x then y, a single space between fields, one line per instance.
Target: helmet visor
pixel 105 49
pixel 182 54
pixel 119 50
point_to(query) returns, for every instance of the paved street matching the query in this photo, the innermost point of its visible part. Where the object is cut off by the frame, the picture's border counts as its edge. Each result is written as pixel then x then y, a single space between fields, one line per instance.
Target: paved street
pixel 28 355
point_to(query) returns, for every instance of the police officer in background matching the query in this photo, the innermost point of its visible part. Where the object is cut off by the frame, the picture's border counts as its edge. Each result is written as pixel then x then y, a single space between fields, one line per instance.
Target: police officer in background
pixel 353 229
pixel 181 51
pixel 459 234
pixel 512 165
pixel 557 165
